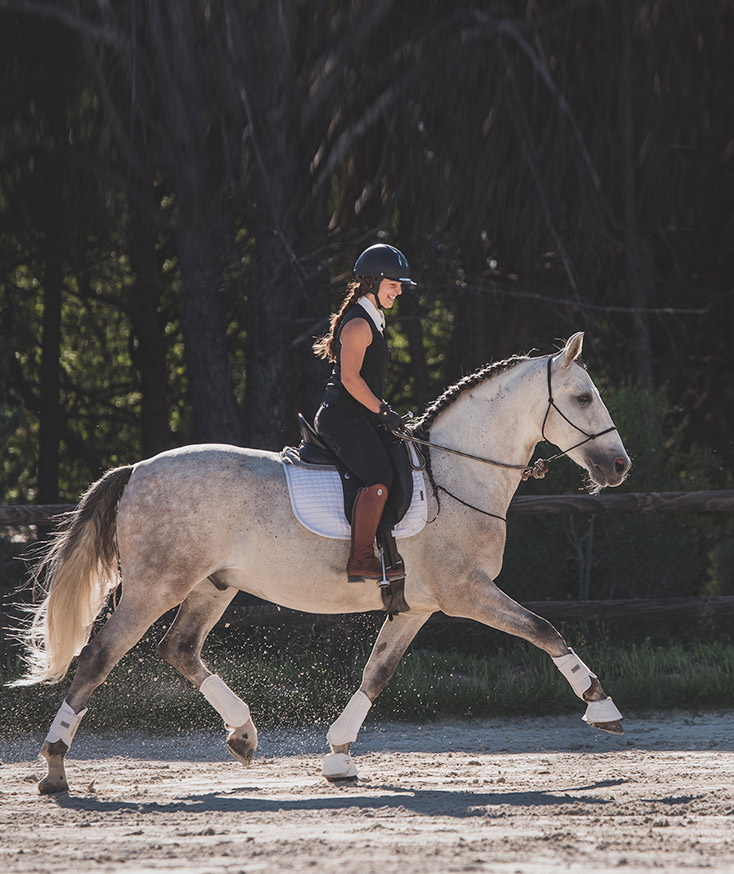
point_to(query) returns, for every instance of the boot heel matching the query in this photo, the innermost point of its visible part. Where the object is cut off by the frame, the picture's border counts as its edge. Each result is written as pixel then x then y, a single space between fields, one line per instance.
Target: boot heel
pixel 355 578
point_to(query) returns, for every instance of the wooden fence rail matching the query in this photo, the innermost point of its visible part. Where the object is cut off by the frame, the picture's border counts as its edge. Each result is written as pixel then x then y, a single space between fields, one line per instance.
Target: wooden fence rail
pixel 554 611
pixel 721 500
pixel 247 616
pixel 524 505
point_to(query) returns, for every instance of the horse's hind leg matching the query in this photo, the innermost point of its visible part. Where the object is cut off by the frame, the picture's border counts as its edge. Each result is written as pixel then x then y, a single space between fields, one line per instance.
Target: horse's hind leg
pixel 392 641
pixel 181 647
pixel 120 633
pixel 487 603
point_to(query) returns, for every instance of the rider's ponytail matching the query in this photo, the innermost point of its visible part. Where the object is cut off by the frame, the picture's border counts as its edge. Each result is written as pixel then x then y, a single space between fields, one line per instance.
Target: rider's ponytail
pixel 325 347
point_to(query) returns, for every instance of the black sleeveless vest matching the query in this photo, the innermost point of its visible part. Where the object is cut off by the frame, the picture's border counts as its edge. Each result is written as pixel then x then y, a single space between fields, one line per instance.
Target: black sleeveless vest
pixel 374 365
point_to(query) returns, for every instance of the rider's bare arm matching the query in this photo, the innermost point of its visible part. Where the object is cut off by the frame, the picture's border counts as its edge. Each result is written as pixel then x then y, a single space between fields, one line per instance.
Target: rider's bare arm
pixel 355 337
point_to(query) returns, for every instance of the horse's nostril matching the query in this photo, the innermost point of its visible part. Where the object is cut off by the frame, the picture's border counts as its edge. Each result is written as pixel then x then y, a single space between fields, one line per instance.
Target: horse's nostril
pixel 620 465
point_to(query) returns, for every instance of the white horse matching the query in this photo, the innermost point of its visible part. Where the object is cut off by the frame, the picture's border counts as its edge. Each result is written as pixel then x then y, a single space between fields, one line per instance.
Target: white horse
pixel 192 526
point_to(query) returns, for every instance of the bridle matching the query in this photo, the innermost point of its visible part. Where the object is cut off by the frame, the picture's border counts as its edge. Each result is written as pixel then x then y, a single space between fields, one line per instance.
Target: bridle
pixel 554 405
pixel 537 470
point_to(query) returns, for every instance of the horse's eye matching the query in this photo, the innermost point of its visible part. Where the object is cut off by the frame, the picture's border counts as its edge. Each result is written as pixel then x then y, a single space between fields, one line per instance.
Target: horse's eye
pixel 584 399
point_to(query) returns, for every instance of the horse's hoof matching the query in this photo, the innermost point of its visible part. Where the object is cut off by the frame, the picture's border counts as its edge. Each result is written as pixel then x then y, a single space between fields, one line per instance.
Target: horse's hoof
pixel 242 749
pixel 604 715
pixel 242 742
pixel 52 785
pixel 339 768
pixel 614 727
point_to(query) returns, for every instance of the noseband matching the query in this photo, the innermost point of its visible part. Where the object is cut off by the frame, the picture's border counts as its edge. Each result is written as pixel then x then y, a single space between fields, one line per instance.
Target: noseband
pixel 537 470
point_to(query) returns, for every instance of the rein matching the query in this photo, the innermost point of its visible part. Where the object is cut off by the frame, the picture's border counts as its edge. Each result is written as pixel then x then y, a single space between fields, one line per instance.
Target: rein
pixel 537 470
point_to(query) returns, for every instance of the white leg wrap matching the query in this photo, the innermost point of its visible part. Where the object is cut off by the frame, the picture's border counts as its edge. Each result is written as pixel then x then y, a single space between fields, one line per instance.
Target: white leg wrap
pixel 232 709
pixel 347 726
pixel 602 711
pixel 576 672
pixel 65 724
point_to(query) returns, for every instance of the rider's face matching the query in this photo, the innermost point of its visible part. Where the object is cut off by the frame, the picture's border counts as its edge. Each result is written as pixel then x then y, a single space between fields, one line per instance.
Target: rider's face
pixel 387 292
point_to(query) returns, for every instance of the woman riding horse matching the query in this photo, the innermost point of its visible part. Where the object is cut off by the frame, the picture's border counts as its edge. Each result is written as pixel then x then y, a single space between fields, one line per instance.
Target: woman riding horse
pixel 354 419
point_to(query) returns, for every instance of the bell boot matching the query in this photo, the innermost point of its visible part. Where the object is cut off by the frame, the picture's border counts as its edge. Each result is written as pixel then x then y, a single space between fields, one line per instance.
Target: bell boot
pixel 366 515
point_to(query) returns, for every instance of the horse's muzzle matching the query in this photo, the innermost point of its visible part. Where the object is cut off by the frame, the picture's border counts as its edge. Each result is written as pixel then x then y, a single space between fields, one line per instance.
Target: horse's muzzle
pixel 610 472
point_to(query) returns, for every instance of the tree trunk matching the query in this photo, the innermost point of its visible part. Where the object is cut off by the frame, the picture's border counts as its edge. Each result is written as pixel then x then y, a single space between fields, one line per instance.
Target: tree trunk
pixel 410 322
pixel 49 436
pixel 273 85
pixel 639 265
pixel 268 385
pixel 150 356
pixel 50 411
pixel 207 359
pixel 188 101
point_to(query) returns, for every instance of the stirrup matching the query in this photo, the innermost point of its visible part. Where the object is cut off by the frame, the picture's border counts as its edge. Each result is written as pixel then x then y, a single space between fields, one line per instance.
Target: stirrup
pixel 384 583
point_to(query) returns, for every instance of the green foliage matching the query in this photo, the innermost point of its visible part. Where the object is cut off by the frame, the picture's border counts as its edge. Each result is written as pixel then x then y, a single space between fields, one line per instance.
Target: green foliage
pixel 488 162
pixel 721 564
pixel 655 432
pixel 11 420
pixel 298 686
pixel 626 555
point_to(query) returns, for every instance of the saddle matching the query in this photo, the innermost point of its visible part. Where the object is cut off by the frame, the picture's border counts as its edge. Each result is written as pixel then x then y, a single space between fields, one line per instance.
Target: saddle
pixel 314 452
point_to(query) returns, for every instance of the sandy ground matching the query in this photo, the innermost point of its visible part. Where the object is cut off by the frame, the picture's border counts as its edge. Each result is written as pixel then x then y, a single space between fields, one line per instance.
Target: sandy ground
pixel 523 796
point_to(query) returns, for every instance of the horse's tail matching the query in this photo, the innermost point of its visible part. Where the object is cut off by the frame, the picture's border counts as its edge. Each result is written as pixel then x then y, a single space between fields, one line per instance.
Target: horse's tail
pixel 77 572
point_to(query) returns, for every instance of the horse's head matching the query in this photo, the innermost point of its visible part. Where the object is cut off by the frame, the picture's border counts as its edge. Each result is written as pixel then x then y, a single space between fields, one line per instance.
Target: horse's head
pixel 578 422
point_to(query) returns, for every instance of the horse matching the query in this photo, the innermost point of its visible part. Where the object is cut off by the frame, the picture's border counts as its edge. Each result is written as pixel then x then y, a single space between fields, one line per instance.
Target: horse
pixel 192 526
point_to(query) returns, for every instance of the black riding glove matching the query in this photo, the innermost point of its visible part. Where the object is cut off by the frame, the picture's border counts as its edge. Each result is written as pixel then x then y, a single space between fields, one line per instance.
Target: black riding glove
pixel 389 418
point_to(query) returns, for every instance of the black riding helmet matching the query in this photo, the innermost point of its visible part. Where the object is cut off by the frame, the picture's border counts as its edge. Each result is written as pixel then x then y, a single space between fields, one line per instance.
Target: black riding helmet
pixel 382 262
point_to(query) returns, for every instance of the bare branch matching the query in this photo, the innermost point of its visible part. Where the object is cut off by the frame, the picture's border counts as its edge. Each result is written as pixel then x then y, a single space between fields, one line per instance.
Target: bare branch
pixel 478 283
pixel 328 69
pixel 69 18
pixel 367 120
pixel 528 148
pixel 513 29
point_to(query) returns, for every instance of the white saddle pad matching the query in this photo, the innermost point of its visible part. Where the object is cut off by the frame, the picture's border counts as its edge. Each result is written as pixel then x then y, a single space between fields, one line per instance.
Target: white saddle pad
pixel 318 502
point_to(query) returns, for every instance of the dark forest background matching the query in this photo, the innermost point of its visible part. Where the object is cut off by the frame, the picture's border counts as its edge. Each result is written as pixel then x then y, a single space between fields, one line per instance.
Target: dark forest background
pixel 184 187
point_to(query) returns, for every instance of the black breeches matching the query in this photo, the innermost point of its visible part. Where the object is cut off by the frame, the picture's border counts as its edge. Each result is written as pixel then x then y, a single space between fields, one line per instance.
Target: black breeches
pixel 357 442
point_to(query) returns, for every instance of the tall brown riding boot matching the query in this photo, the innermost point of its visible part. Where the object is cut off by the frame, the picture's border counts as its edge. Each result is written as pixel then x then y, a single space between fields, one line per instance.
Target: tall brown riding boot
pixel 366 515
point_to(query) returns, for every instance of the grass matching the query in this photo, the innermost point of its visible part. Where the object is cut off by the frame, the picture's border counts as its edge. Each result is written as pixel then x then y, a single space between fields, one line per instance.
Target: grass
pixel 288 679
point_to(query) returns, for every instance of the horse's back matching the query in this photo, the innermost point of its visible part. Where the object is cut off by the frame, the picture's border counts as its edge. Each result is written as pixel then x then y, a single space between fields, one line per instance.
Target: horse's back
pixel 215 509
pixel 192 503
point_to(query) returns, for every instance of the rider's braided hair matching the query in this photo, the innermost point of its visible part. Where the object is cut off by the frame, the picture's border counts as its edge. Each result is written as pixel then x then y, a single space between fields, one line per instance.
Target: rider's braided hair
pixel 325 347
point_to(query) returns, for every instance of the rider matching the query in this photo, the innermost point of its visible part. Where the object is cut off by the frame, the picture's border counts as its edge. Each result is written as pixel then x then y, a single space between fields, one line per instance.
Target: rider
pixel 353 408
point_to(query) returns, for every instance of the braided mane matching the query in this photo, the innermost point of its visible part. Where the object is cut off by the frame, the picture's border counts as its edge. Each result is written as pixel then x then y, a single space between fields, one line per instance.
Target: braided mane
pixel 421 427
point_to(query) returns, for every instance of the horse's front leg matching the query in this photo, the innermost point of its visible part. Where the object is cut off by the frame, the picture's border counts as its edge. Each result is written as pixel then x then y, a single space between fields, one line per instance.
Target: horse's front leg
pixel 482 600
pixel 392 641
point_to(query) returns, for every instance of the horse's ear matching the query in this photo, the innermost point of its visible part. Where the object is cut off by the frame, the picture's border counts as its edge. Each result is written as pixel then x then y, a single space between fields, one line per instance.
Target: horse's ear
pixel 572 349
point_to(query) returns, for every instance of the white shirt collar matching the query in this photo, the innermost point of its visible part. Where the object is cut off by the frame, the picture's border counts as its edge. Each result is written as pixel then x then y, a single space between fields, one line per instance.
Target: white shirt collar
pixel 377 316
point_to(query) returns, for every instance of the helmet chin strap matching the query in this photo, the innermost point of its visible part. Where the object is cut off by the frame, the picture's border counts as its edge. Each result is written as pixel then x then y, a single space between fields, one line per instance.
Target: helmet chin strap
pixel 373 291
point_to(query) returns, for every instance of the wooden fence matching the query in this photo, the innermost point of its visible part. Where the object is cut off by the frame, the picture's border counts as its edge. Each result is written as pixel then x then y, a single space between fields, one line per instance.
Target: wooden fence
pixel 651 609
pixel 555 611
pixel 13 515
pixel 530 505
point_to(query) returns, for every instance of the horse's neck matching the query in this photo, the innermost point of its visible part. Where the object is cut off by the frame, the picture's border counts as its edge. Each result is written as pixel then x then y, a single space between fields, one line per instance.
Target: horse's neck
pixel 499 419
